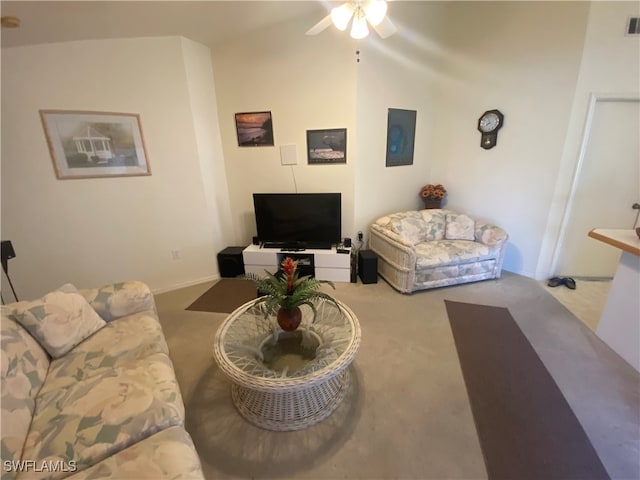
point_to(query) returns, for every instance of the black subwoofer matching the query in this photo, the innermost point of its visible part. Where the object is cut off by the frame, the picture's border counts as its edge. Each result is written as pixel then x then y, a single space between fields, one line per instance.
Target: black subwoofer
pixel 368 266
pixel 230 262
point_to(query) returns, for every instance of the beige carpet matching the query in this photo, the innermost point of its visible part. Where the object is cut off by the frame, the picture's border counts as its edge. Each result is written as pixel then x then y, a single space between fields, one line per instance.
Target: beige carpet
pixel 408 414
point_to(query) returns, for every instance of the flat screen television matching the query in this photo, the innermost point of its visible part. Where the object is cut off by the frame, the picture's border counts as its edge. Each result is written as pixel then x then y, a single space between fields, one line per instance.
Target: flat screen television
pixel 298 220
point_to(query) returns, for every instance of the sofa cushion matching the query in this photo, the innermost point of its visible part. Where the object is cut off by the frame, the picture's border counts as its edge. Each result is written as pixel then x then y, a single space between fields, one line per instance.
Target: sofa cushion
pixel 24 365
pixel 59 320
pixel 453 274
pixel 410 226
pixel 435 224
pixel 120 299
pixel 167 454
pixel 459 227
pixel 441 253
pixel 118 344
pixel 101 415
pixel 68 288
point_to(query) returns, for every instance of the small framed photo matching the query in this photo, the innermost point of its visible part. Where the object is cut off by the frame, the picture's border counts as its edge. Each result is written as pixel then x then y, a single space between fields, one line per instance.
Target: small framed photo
pixel 95 144
pixel 254 129
pixel 401 133
pixel 327 146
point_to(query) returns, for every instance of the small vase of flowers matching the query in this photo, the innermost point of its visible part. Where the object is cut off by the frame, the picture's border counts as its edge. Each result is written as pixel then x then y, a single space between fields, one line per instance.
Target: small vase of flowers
pixel 432 195
pixel 284 293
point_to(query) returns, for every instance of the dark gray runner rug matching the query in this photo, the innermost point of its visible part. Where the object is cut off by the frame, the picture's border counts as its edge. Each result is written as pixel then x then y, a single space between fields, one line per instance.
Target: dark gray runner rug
pixel 225 296
pixel 526 428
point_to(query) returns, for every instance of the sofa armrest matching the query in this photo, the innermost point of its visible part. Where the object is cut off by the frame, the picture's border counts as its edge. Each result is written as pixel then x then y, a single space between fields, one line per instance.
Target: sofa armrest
pixel 490 234
pixel 120 299
pixel 391 236
pixel 392 247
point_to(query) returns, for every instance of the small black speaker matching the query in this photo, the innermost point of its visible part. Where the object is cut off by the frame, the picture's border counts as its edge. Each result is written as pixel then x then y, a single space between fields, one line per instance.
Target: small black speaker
pixel 230 262
pixel 7 250
pixel 347 242
pixel 255 240
pixel 7 254
pixel 368 266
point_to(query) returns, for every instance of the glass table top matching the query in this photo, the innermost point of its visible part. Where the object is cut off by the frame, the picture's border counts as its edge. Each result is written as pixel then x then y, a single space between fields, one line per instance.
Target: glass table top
pixel 254 346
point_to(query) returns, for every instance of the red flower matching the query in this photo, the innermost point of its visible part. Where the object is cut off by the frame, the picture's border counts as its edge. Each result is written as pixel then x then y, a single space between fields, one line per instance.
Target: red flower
pixel 289 266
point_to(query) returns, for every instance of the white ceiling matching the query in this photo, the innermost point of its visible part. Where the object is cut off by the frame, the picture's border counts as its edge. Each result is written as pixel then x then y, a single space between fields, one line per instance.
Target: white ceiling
pixel 206 22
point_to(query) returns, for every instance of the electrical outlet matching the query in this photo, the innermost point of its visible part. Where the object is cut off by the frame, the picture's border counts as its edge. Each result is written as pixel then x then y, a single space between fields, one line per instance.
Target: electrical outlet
pixel 360 236
pixel 175 254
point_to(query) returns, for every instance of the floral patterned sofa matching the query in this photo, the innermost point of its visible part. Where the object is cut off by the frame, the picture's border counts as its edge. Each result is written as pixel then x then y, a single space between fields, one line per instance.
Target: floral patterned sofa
pixel 434 248
pixel 89 390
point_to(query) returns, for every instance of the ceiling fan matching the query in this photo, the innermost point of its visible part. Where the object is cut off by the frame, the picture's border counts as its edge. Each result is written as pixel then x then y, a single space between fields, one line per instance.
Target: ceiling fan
pixel 363 13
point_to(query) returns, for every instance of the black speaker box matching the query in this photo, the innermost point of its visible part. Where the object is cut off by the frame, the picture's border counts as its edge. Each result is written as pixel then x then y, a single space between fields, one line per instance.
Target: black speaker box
pixel 230 262
pixel 368 266
pixel 347 242
pixel 7 254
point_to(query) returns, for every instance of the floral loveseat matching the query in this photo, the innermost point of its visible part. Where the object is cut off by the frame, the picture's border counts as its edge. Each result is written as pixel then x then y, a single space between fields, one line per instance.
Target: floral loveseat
pixel 434 248
pixel 89 391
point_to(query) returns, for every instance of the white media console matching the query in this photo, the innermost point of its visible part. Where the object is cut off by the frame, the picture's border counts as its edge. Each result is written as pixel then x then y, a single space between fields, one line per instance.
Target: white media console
pixel 327 264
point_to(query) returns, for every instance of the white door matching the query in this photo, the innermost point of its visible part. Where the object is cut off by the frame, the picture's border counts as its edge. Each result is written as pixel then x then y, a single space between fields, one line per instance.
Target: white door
pixel 606 186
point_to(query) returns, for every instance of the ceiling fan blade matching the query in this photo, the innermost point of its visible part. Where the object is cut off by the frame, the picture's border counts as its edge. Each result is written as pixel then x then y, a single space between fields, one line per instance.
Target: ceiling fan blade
pixel 320 26
pixel 386 28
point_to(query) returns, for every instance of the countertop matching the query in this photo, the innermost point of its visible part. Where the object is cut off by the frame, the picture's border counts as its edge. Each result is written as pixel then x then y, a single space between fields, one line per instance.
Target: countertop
pixel 626 240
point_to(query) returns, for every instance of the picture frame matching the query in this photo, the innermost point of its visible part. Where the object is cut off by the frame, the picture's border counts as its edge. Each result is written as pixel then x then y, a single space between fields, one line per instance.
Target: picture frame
pixel 328 146
pixel 401 133
pixel 254 129
pixel 87 144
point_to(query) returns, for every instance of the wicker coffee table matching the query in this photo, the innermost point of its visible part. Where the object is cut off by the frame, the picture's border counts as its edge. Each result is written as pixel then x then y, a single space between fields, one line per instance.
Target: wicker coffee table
pixel 287 380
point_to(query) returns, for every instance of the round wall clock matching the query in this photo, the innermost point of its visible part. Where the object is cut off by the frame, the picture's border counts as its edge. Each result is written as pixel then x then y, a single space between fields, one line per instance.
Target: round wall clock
pixel 489 123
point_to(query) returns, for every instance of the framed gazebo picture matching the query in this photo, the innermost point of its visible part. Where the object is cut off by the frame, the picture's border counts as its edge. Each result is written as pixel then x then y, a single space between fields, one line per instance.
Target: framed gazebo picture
pixel 87 144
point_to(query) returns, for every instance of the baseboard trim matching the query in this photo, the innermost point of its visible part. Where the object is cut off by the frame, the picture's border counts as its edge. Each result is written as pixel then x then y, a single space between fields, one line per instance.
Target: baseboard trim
pixel 190 283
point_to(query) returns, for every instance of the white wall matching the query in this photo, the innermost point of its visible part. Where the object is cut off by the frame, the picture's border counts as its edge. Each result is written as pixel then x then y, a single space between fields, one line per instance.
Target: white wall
pixel 522 58
pixel 307 83
pixel 610 66
pixel 94 231
pixel 200 82
pixel 451 61
pixel 397 72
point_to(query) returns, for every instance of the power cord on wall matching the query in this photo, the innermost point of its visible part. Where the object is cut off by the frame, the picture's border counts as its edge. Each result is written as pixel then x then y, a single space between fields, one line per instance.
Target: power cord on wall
pixel 295 184
pixel 356 246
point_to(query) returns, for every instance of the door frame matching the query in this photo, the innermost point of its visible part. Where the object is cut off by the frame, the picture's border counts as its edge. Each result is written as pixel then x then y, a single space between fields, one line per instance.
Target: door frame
pixel 594 98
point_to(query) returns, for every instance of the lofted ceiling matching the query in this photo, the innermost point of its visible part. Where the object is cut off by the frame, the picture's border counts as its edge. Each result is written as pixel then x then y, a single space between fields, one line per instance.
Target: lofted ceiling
pixel 206 22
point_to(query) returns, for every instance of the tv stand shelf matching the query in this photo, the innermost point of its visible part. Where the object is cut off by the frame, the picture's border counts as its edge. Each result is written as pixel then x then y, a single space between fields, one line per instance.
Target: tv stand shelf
pixel 327 264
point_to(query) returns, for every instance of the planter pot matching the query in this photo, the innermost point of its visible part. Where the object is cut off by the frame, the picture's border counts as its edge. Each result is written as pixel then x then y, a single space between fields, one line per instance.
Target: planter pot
pixel 289 318
pixel 432 203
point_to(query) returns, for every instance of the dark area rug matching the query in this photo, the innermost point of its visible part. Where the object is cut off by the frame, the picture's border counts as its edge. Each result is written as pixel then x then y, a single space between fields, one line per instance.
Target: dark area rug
pixel 225 296
pixel 526 428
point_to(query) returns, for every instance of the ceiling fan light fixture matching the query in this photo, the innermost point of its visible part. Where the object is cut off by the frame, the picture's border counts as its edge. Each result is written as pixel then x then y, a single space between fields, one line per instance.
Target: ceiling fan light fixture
pixel 375 11
pixel 341 15
pixel 359 27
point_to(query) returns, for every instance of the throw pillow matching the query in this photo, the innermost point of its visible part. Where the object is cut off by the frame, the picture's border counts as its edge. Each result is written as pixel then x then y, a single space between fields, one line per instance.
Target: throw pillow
pixel 410 226
pixel 459 227
pixel 59 320
pixel 68 288
pixel 435 222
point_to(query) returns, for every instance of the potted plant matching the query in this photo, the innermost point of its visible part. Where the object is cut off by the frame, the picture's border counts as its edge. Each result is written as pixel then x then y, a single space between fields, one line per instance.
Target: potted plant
pixel 284 293
pixel 432 195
